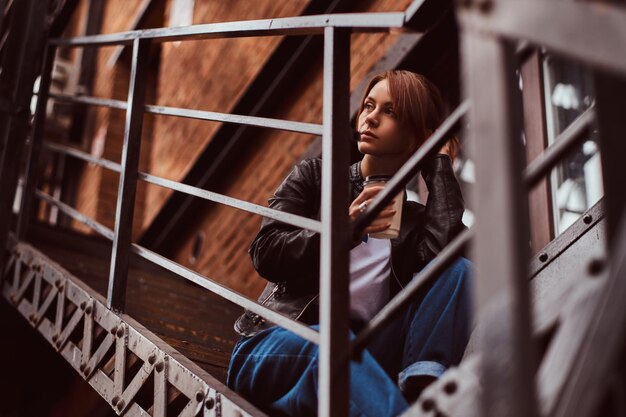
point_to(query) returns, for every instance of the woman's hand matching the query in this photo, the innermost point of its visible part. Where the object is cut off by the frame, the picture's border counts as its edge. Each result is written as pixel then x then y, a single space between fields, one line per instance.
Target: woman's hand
pixel 360 204
pixel 451 148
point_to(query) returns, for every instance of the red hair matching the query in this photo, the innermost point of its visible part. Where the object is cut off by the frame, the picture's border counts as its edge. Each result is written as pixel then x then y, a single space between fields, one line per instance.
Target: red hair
pixel 417 101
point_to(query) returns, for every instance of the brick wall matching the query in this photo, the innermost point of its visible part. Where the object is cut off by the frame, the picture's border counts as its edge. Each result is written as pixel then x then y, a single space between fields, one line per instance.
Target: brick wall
pixel 270 157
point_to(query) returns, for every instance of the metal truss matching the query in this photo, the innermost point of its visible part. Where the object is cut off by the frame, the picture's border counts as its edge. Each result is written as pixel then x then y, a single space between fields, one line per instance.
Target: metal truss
pixel 564 321
pixel 132 369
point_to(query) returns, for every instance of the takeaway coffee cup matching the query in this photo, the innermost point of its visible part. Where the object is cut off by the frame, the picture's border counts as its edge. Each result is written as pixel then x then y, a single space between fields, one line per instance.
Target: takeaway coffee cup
pixel 394 230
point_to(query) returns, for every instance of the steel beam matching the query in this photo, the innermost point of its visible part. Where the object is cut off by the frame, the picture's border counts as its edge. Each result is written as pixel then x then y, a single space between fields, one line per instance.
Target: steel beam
pixel 295 220
pixel 610 91
pixel 128 178
pixel 334 377
pixel 590 32
pixel 501 244
pixel 287 125
pixel 300 25
pixel 103 360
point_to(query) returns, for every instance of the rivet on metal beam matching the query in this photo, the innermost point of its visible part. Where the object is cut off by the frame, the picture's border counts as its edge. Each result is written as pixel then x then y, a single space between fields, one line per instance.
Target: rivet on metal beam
pixel 82 367
pixel 88 310
pixel 209 403
pixel 114 400
pixel 83 305
pixel 55 337
pixel 120 405
pixel 543 256
pixel 428 404
pixel 159 366
pixel 587 218
pixel 152 359
pixel 113 330
pixel 120 331
pixel 450 387
pixel 87 372
pixel 199 396
pixel 596 266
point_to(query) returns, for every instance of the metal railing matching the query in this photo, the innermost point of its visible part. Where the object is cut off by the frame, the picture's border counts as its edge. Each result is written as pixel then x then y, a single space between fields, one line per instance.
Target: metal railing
pixel 502 182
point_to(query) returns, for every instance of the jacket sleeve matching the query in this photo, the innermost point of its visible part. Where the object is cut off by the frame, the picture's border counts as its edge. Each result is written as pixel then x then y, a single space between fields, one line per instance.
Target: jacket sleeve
pixel 281 252
pixel 444 209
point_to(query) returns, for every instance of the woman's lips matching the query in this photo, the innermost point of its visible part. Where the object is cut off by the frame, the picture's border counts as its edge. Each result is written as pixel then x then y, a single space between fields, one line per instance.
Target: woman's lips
pixel 368 135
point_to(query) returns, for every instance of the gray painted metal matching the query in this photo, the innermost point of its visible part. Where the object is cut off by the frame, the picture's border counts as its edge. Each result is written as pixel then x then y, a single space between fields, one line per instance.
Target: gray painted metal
pixel 56 295
pixel 291 126
pixel 556 25
pixel 87 157
pixel 300 25
pixel 299 221
pixel 501 244
pixel 335 240
pixel 128 177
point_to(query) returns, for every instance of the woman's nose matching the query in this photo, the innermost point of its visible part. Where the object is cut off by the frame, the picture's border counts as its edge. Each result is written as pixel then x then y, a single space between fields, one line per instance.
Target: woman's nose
pixel 372 118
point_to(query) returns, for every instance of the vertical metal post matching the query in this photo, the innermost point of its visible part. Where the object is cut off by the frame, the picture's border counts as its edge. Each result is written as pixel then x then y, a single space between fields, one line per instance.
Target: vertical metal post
pixel 32 161
pixel 333 363
pixel 128 177
pixel 20 65
pixel 501 244
pixel 611 99
pixel 541 230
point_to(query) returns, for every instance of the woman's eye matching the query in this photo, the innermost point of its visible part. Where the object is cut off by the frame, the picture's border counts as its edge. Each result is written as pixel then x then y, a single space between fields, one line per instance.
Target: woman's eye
pixel 390 112
pixel 369 106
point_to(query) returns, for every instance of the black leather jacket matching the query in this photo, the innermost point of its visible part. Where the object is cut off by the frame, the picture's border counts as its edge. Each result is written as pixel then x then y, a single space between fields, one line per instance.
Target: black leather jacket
pixel 288 257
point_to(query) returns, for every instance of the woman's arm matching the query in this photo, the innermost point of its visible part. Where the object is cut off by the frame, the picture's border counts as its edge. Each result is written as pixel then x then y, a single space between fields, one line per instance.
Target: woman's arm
pixel 281 252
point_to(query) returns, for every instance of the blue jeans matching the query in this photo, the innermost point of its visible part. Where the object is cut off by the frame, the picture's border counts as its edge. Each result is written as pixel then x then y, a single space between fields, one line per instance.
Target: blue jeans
pixel 277 370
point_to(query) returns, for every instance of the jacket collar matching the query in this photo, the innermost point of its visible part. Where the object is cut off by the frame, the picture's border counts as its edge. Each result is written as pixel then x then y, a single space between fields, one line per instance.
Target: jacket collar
pixel 356 177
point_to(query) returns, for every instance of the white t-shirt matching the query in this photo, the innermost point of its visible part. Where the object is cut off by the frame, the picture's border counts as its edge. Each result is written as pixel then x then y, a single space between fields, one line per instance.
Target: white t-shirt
pixel 369 272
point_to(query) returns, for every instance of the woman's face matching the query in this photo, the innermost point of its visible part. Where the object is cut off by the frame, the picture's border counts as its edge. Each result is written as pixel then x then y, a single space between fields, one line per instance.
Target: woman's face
pixel 380 131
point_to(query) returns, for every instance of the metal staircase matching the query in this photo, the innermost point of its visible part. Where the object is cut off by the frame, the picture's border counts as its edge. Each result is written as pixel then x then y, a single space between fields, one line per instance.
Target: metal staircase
pixel 559 357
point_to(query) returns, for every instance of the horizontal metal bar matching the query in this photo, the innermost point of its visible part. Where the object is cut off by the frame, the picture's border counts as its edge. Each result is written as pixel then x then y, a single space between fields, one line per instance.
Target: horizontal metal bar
pixel 95 101
pixel 228 294
pixel 292 219
pixel 76 215
pixel 410 168
pixel 287 125
pixel 299 127
pixel 69 151
pixel 556 25
pixel 300 25
pixel 282 216
pixel 205 282
pixel 575 133
pixel 392 310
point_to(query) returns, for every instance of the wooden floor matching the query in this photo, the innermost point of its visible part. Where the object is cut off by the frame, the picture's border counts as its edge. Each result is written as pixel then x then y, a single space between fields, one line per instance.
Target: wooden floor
pixel 191 319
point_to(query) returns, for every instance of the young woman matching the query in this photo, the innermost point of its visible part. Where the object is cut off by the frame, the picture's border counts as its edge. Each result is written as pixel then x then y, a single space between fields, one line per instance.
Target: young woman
pixel 276 369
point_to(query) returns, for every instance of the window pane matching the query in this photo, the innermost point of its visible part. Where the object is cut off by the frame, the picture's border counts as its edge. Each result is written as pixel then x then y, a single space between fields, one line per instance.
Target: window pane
pixel 576 182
